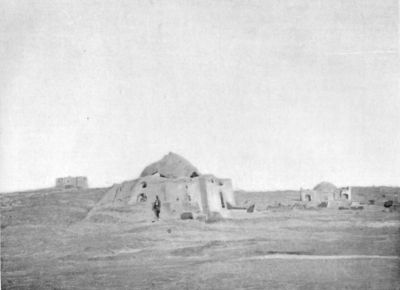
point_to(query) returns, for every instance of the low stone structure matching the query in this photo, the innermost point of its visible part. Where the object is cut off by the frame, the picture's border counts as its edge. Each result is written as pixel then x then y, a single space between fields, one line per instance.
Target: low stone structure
pixel 179 186
pixel 205 193
pixel 80 182
pixel 325 192
pixel 308 195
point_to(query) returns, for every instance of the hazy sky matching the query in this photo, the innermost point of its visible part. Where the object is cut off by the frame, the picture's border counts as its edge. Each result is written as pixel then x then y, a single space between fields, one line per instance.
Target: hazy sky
pixel 273 94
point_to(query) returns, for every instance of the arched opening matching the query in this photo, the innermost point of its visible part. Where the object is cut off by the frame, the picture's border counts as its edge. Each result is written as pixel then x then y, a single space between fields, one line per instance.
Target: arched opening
pixel 346 196
pixel 194 174
pixel 222 199
pixel 142 197
pixel 307 197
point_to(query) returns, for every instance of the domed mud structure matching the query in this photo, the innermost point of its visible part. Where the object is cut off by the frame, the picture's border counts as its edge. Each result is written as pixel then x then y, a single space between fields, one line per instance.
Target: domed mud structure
pixel 179 186
pixel 326 192
pixel 171 166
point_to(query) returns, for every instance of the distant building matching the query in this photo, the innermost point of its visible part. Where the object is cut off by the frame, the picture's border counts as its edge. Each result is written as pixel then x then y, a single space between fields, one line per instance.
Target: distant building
pixel 72 182
pixel 325 192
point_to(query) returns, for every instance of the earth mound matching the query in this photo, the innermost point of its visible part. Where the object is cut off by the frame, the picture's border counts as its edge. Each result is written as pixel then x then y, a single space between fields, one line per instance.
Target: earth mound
pixel 171 166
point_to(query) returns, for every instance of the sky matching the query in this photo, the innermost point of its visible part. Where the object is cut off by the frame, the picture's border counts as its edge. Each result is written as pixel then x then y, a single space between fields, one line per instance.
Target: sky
pixel 272 94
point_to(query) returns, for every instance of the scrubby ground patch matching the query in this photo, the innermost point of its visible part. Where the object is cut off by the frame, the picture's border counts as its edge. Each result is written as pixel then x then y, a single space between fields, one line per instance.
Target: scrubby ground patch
pixel 42 249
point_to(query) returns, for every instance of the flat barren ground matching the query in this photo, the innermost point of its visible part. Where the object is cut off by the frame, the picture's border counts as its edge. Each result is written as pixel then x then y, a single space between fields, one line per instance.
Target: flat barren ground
pixel 48 243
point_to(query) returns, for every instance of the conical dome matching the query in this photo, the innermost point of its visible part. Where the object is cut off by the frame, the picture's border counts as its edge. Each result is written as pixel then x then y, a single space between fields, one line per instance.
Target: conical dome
pixel 171 166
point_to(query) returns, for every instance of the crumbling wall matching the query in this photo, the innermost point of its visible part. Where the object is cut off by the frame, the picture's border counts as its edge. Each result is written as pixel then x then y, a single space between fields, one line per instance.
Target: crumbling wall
pixel 72 182
pixel 345 193
pixel 183 194
pixel 225 185
pixel 176 195
pixel 329 195
pixel 308 195
pixel 150 186
pixel 175 191
pixel 206 194
pixel 118 194
pixel 215 194
pixel 194 193
pixel 81 182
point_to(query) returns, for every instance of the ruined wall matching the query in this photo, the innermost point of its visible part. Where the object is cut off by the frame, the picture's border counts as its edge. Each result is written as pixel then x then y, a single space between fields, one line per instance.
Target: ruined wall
pixel 194 194
pixel 225 185
pixel 205 193
pixel 81 182
pixel 326 196
pixel 215 193
pixel 60 182
pixel 176 191
pixel 150 186
pixel 183 194
pixel 308 195
pixel 176 196
pixel 200 194
pixel 72 182
pixel 345 193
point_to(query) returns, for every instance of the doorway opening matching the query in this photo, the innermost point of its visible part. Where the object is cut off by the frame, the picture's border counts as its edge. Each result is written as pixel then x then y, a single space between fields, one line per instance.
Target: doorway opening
pixel 222 199
pixel 141 197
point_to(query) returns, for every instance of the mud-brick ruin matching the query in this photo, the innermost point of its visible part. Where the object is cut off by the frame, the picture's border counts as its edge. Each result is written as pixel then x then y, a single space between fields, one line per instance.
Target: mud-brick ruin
pixel 326 192
pixel 79 182
pixel 180 187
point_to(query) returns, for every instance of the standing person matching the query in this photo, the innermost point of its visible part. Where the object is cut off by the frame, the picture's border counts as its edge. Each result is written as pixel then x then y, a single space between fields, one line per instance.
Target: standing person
pixel 157 207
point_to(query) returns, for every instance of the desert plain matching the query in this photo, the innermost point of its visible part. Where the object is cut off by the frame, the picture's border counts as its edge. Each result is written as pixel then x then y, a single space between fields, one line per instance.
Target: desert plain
pixel 47 242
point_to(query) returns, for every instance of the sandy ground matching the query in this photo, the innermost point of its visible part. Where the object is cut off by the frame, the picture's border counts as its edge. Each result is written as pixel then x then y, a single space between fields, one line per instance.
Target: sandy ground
pixel 274 249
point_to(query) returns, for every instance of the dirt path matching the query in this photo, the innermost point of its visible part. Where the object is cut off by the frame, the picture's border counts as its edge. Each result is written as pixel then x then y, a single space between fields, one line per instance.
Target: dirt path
pixel 320 257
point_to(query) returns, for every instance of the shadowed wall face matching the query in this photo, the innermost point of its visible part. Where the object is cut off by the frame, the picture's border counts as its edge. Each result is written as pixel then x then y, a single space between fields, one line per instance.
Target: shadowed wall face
pixel 215 194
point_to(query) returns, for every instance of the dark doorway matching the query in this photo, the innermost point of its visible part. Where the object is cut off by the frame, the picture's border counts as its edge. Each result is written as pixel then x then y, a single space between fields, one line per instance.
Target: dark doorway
pixel 222 199
pixel 308 197
pixel 142 197
pixel 194 174
pixel 346 196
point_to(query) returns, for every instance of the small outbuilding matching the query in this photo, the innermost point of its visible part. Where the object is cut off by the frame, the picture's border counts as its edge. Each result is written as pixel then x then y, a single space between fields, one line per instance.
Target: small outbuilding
pixel 325 192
